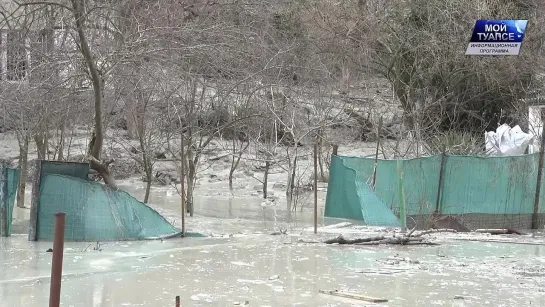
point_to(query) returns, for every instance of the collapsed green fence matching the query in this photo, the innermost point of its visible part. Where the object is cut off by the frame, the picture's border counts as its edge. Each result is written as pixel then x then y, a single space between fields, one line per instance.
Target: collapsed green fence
pixel 94 212
pixel 489 191
pixel 9 179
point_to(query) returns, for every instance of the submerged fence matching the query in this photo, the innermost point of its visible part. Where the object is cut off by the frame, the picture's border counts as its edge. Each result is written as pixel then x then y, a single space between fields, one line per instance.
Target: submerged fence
pixel 94 212
pixel 482 191
pixel 9 179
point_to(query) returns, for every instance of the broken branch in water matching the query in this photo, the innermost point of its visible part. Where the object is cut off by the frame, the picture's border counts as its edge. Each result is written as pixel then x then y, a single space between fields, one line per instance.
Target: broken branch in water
pixel 341 240
pixel 404 240
pixel 408 239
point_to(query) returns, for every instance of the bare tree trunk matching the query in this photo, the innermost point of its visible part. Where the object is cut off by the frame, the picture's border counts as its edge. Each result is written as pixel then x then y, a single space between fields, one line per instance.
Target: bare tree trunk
pixel 23 165
pixel 236 161
pixel 266 178
pixel 98 137
pixel 190 188
pixel 148 188
pixel 182 181
pixel 148 169
pixel 40 146
pixel 134 116
pixel 290 186
pixel 60 151
pixel 231 179
pixel 320 160
pixel 192 160
pixel 129 117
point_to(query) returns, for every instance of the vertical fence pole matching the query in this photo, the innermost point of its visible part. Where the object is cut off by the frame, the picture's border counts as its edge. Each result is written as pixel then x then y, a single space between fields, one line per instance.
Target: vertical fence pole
pixel 335 149
pixel 56 262
pixel 440 184
pixel 35 202
pixel 535 214
pixel 3 200
pixel 266 178
pixel 177 301
pixel 315 188
pixel 182 180
pixel 402 216
pixel 376 153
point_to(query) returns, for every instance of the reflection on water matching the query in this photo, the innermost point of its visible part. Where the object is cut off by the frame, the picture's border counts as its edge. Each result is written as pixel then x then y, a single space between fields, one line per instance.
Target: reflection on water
pixel 235 207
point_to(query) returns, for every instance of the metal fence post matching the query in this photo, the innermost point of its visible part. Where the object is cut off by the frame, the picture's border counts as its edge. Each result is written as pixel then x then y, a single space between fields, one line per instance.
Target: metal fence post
pixel 535 214
pixel 438 208
pixel 56 262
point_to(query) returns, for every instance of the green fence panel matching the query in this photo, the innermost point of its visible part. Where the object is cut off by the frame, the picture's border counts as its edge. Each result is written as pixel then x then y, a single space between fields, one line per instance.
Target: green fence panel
pixel 95 212
pixel 12 175
pixel 498 185
pixel 485 185
pixel 342 200
pixel 7 202
pixel 350 196
pixel 72 169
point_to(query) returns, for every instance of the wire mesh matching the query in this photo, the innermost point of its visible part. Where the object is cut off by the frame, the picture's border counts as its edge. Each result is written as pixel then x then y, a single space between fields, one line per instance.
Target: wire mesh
pixel 94 212
pixel 10 178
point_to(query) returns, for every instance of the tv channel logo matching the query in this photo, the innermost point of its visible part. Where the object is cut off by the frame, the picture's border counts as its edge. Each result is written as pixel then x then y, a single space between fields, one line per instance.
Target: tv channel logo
pixel 497 37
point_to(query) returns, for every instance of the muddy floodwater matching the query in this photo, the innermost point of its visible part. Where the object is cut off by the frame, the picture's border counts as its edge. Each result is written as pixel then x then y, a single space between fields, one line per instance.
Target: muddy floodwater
pixel 243 264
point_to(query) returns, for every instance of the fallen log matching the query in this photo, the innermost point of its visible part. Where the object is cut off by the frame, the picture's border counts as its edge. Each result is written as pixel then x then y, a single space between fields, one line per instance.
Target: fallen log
pixel 400 241
pixel 404 240
pixel 341 240
pixel 410 238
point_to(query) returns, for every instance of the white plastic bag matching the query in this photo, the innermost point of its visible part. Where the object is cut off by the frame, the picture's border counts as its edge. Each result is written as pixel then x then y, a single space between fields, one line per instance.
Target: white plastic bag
pixel 507 141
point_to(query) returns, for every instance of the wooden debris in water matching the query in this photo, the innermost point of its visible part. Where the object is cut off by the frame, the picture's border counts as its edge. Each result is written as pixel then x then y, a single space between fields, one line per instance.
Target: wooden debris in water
pixel 354 296
pixel 410 238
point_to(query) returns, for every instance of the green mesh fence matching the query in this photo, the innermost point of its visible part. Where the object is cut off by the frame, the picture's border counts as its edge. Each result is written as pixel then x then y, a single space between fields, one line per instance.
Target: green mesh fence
pixel 487 191
pixel 7 202
pixel 72 169
pixel 349 196
pixel 94 212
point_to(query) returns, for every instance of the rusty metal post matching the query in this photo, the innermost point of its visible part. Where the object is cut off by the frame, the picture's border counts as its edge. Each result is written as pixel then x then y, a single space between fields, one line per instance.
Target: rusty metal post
pixel 177 301
pixel 315 188
pixel 56 262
